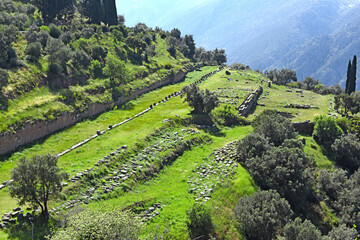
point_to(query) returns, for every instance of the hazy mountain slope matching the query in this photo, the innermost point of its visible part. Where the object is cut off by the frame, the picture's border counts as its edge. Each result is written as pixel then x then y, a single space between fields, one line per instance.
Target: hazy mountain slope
pixel 314 37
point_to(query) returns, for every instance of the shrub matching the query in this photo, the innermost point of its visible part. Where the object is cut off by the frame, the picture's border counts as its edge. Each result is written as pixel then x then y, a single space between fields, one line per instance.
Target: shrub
pixel 172 51
pixel 4 78
pixel 262 215
pixel 43 37
pixel 227 117
pixel 89 224
pixel 55 32
pixel 80 58
pixel 200 223
pixel 347 151
pixel 201 101
pixel 87 32
pixel 115 70
pixel 326 131
pixel 298 230
pixel 253 145
pixel 98 52
pixel 286 170
pixel 332 183
pixel 33 51
pixel 347 204
pixel 341 232
pixel 66 38
pixel 96 68
pixel 274 127
pixel 58 52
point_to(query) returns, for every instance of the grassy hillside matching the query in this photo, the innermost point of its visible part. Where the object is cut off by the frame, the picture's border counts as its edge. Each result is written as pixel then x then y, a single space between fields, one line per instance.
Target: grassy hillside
pixel 58 68
pixel 172 187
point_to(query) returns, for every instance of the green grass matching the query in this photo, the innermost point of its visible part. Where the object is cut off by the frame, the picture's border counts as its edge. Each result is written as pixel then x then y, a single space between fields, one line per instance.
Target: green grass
pixel 242 83
pixel 171 188
pixel 315 151
pixel 128 134
pixel 31 103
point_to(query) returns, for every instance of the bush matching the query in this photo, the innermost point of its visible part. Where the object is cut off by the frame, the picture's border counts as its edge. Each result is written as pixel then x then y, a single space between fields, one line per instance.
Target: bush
pixel 202 101
pixel 274 127
pixel 87 32
pixel 227 117
pixel 286 170
pixel 55 32
pixel 253 145
pixel 347 151
pixel 262 215
pixel 115 70
pixel 341 232
pixel 348 204
pixel 200 223
pixel 101 225
pixel 43 37
pixel 33 51
pixel 98 52
pixel 4 78
pixel 66 38
pixel 332 183
pixel 326 131
pixel 58 52
pixel 172 51
pixel 298 230
pixel 96 69
pixel 80 58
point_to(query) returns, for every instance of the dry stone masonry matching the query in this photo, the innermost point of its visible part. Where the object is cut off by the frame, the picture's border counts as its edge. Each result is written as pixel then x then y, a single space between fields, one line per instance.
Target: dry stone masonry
pixel 249 102
pixel 213 171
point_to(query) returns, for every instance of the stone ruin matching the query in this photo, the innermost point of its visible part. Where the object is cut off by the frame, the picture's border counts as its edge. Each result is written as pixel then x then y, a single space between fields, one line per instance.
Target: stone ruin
pixel 249 102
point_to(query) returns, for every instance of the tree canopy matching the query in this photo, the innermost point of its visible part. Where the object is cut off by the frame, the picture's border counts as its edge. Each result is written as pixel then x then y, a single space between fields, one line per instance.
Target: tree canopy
pixel 202 101
pixel 36 180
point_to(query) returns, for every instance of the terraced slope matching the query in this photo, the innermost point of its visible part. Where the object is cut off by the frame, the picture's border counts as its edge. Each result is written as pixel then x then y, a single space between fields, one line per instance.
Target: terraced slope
pixel 161 162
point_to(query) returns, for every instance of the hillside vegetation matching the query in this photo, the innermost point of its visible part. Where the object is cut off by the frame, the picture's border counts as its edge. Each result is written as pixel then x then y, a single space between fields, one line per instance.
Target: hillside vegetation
pixel 215 155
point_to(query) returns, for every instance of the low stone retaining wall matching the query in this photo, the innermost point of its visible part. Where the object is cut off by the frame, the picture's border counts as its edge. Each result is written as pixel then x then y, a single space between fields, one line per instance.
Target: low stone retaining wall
pixel 306 127
pixel 249 102
pixel 35 131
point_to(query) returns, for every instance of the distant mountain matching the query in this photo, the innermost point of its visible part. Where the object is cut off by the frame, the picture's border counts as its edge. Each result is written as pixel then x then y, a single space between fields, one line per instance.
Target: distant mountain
pixel 313 37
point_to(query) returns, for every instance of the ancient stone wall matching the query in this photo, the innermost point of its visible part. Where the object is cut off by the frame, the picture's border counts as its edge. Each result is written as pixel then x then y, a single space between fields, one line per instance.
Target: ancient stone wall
pixel 35 131
pixel 249 102
pixel 306 127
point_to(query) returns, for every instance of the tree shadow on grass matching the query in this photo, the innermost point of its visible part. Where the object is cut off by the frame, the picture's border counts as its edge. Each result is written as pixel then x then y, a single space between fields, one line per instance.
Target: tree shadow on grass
pixel 205 122
pixel 27 231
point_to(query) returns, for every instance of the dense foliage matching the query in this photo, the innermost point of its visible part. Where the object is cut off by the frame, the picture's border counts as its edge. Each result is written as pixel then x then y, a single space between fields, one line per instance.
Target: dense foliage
pixel 262 215
pixel 300 230
pixel 274 127
pixel 202 101
pixel 200 224
pixel 88 224
pixel 326 131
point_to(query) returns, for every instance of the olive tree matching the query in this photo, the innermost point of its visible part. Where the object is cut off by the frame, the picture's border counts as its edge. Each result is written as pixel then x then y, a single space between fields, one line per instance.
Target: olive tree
pixel 262 215
pixel 299 230
pixel 36 180
pixel 286 170
pixel 326 130
pixel 274 127
pixel 200 223
pixel 201 101
pixel 347 151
